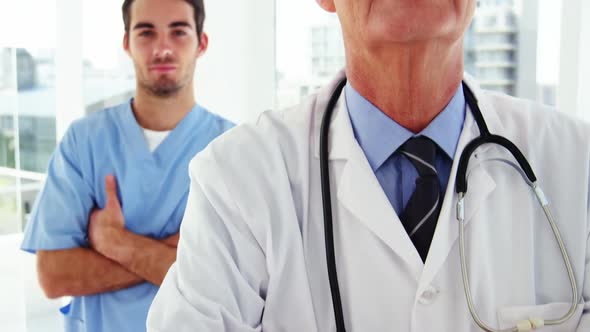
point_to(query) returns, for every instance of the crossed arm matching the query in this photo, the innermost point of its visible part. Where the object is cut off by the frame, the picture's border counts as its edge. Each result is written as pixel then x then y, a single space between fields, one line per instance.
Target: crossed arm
pixel 117 258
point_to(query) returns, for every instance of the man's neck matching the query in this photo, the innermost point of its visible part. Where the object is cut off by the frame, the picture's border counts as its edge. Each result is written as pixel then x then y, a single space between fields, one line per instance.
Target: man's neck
pixel 410 84
pixel 162 114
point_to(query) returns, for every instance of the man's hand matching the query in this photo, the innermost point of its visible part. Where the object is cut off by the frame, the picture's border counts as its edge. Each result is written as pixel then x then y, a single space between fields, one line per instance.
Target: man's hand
pixel 141 255
pixel 106 225
pixel 172 240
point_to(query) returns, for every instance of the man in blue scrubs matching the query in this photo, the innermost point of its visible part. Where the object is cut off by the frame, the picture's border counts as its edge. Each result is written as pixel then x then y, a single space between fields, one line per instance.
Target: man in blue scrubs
pixel 105 226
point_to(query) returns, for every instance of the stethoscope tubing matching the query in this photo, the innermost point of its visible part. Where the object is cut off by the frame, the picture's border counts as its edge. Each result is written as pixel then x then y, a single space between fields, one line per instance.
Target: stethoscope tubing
pixel 327 204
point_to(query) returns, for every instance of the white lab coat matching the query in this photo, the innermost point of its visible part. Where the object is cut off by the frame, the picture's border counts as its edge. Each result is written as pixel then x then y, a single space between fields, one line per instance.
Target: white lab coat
pixel 251 255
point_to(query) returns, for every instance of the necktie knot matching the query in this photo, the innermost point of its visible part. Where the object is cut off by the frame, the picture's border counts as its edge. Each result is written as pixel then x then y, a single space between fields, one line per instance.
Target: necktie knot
pixel 421 151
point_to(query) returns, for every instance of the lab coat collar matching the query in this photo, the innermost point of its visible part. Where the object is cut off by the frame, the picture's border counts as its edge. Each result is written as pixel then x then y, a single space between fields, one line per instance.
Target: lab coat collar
pixel 340 125
pixel 340 122
pixel 360 192
pixel 488 110
pixel 358 189
pixel 481 185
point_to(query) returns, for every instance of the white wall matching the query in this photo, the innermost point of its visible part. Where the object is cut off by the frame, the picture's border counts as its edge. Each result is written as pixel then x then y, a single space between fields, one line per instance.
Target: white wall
pixel 574 78
pixel 236 77
pixel 527 59
pixel 69 104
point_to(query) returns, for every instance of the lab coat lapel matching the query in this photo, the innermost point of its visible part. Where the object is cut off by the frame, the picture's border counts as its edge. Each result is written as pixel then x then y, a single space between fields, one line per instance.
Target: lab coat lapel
pixel 480 186
pixel 359 191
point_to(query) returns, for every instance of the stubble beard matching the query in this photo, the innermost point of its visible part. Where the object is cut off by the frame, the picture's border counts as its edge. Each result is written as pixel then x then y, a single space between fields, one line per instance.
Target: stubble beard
pixel 163 87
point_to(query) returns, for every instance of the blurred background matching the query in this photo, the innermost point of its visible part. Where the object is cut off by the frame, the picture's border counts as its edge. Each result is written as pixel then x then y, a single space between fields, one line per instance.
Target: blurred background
pixel 63 59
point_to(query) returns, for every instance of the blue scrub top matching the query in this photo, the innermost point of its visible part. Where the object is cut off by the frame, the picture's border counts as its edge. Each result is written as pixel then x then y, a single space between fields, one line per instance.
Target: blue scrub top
pixel 153 190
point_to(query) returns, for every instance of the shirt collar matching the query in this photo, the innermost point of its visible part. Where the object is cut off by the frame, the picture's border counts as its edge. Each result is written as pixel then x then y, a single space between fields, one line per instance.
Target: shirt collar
pixel 380 136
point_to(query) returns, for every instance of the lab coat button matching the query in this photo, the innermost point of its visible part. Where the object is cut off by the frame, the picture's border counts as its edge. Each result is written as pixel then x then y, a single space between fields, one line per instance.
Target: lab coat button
pixel 428 296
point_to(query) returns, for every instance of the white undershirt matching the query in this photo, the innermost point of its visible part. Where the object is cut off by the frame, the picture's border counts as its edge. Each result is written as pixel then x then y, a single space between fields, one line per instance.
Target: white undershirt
pixel 154 138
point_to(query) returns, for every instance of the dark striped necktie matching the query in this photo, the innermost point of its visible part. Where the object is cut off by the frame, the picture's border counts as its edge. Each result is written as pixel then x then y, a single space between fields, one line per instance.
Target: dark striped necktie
pixel 421 212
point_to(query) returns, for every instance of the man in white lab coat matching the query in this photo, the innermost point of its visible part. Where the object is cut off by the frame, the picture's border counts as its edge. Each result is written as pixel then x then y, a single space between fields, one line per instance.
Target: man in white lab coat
pixel 252 253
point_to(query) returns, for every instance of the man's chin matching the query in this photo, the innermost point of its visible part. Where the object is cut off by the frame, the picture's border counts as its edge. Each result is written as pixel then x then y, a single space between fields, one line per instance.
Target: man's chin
pixel 165 90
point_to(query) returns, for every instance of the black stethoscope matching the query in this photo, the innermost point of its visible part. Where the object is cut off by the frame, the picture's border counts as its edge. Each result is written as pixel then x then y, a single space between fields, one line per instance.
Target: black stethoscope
pixel 485 137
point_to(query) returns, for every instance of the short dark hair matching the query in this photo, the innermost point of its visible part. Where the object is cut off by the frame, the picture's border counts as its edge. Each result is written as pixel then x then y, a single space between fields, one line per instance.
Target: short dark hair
pixel 198 9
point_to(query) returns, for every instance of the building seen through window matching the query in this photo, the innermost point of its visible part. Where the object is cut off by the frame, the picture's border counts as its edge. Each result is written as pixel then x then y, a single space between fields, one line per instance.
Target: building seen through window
pixel 493 50
pixel 108 74
pixel 28 133
pixel 27 129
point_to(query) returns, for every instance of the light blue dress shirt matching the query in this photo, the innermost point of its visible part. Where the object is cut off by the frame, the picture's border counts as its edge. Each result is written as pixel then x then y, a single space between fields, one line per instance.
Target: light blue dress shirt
pixel 380 137
pixel 153 191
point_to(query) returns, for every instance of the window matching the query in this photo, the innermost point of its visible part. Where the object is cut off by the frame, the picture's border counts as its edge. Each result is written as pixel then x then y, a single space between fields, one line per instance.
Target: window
pixel 9 219
pixel 28 81
pixel 27 127
pixel 508 48
pixel 27 107
pixel 36 107
pixel 108 74
pixel 309 49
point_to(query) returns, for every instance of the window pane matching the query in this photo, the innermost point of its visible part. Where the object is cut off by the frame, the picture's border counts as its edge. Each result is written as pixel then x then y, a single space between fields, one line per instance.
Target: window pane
pixel 107 73
pixel 36 108
pixel 27 71
pixel 309 49
pixel 9 218
pixel 6 70
pixel 15 191
pixel 7 108
pixel 29 190
pixel 510 47
pixel 491 46
pixel 27 138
